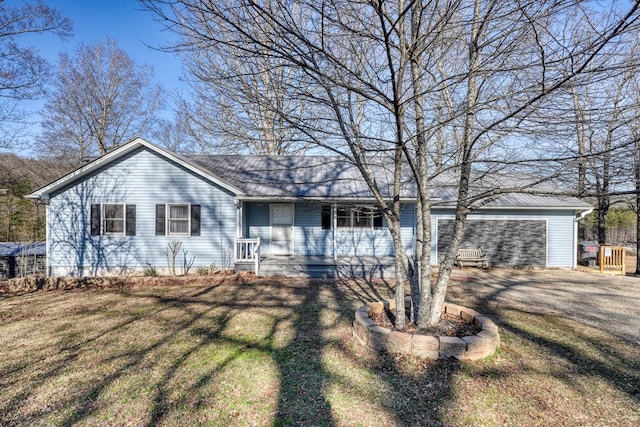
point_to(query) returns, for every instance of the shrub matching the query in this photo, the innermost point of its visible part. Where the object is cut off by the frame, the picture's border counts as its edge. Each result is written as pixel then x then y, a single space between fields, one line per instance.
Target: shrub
pixel 202 271
pixel 151 272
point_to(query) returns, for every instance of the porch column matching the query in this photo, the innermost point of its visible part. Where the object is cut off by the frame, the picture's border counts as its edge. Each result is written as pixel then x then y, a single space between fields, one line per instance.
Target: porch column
pixel 334 223
pixel 239 218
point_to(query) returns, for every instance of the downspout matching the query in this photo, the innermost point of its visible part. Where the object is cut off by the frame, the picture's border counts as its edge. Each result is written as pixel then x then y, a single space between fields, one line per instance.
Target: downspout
pixel 47 241
pixel 576 220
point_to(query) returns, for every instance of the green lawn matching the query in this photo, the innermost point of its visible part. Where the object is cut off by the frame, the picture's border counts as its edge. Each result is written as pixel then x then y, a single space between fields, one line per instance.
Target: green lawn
pixel 280 352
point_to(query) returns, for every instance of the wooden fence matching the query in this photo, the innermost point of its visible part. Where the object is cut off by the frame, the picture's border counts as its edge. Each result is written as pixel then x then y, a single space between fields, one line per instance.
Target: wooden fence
pixel 612 259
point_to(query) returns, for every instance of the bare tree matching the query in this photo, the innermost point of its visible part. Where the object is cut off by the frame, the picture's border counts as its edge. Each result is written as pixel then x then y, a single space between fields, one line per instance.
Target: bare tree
pixel 23 71
pixel 389 82
pixel 633 124
pixel 636 181
pixel 100 98
pixel 601 110
pixel 239 102
pixel 175 133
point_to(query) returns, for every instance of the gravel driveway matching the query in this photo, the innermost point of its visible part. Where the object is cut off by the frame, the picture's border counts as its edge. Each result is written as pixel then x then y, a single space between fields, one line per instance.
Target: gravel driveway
pixel 610 303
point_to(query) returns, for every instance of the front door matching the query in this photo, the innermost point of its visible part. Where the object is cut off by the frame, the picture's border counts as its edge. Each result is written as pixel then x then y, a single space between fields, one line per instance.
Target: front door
pixel 281 229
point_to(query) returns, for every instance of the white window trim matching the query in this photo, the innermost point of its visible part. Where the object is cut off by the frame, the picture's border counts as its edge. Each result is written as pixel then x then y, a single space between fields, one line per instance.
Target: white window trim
pixel 372 210
pixel 168 220
pixel 103 219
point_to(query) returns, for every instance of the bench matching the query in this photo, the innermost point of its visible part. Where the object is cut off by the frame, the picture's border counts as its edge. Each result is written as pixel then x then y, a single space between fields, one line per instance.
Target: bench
pixel 472 257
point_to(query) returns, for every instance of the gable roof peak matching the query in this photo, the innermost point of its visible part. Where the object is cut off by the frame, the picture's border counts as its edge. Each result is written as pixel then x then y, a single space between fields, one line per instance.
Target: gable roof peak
pixel 134 144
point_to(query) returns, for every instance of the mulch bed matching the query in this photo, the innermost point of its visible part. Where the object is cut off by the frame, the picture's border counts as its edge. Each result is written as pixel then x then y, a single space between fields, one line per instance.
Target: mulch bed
pixel 449 325
pixel 37 283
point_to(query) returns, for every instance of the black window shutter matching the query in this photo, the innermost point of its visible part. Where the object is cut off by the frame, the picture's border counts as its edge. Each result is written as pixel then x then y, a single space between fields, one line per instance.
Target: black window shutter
pixel 377 220
pixel 131 220
pixel 160 212
pixel 195 220
pixel 326 217
pixel 95 220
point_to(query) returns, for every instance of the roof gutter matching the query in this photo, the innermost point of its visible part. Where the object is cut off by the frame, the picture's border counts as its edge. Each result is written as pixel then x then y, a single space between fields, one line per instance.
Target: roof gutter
pixel 582 215
pixel 289 199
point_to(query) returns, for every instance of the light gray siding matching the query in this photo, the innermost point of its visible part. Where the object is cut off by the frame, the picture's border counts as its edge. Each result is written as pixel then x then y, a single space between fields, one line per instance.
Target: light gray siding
pixel 559 231
pixel 145 179
pixel 408 224
pixel 257 217
pixel 309 237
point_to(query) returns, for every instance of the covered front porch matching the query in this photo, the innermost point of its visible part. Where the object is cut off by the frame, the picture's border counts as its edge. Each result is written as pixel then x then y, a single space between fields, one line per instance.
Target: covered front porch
pixel 316 239
pixel 248 258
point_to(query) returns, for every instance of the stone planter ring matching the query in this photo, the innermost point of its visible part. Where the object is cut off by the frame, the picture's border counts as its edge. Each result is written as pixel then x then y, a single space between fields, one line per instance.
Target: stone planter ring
pixel 472 347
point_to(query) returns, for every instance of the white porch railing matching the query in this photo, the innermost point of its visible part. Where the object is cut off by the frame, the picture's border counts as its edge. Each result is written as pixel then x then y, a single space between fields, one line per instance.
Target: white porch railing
pixel 248 250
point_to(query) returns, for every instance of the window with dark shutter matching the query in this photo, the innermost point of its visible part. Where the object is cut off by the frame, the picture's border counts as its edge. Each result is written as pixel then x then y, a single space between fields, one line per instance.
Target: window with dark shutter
pixel 160 222
pixel 195 220
pixel 113 219
pixel 178 220
pixel 131 220
pixel 95 220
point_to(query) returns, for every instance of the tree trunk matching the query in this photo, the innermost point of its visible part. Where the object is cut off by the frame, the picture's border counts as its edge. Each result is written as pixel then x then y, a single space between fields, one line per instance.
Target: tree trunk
pixel 603 209
pixel 636 161
pixel 637 230
pixel 465 153
pixel 582 153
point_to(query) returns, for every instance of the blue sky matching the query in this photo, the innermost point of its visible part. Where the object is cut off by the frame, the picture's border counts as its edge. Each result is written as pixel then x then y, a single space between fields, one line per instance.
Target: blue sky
pixel 122 20
pixel 94 20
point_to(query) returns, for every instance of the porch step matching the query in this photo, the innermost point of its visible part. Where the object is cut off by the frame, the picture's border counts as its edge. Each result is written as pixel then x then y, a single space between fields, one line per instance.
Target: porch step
pixel 318 267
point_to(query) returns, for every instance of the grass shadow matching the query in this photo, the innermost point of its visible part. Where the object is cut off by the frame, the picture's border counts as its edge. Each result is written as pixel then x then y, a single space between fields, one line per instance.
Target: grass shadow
pixel 258 351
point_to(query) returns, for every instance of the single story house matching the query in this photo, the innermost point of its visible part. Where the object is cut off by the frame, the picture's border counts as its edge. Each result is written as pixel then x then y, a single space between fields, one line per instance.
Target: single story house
pixel 20 259
pixel 292 215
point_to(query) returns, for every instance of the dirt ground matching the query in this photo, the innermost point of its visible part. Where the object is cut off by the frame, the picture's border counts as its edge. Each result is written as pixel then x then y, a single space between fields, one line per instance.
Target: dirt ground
pixel 605 301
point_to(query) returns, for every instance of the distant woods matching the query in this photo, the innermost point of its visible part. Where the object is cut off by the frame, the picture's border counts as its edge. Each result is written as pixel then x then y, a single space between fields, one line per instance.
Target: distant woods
pixel 620 226
pixel 22 220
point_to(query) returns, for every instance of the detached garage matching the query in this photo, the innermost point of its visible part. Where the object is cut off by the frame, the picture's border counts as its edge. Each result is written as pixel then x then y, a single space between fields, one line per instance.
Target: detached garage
pixel 514 232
